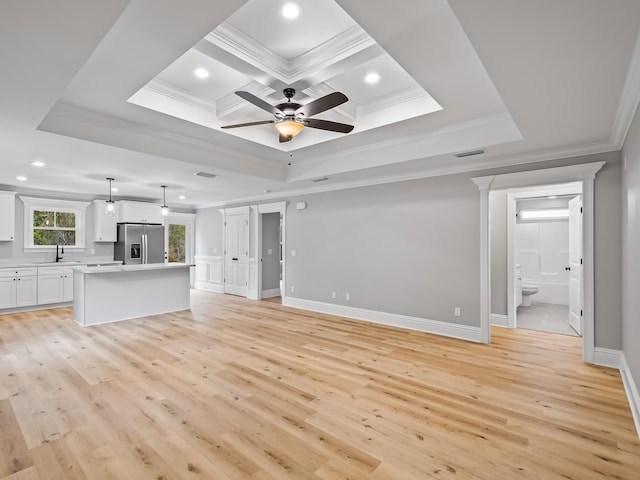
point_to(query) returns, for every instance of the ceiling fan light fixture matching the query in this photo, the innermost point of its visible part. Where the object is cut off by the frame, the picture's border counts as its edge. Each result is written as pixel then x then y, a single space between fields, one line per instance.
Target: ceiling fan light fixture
pixel 289 128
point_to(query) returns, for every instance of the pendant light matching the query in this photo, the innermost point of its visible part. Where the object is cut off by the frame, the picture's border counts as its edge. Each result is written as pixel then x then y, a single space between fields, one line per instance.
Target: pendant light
pixel 110 204
pixel 164 208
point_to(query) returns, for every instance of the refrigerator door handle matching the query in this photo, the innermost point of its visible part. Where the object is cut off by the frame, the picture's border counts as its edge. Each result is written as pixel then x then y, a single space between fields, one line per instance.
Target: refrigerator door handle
pixel 144 249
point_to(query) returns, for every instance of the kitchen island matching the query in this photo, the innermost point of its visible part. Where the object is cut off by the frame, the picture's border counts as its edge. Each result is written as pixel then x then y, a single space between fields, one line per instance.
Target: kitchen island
pixel 112 293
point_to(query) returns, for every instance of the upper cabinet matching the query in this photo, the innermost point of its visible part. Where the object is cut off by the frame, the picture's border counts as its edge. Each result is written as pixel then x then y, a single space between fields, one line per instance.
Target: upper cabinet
pixel 138 212
pixel 104 225
pixel 8 216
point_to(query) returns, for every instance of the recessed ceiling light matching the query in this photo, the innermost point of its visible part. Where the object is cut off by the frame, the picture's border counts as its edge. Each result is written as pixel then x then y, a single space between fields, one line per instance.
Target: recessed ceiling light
pixel 38 163
pixel 552 196
pixel 182 197
pixel 22 178
pixel 372 77
pixel 290 11
pixel 114 189
pixel 201 73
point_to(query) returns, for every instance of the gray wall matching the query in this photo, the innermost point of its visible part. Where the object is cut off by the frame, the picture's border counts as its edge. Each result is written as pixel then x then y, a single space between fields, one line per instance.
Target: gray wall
pixel 270 241
pixel 498 232
pixel 412 248
pixel 631 249
pixel 607 241
pixel 15 249
pixel 407 248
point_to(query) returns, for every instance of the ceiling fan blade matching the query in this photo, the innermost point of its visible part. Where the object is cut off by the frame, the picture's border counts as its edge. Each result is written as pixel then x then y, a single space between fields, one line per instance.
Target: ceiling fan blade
pixel 328 125
pixel 322 104
pixel 263 122
pixel 258 102
pixel 285 139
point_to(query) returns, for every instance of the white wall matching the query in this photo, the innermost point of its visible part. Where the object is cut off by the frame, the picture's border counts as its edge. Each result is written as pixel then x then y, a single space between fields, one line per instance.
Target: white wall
pixel 15 250
pixel 542 250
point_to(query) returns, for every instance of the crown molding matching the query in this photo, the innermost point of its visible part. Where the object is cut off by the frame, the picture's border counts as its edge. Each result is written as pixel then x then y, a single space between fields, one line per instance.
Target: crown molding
pixel 343 45
pixel 71 120
pixel 231 103
pixel 629 100
pixel 247 49
pixel 169 90
pixel 240 45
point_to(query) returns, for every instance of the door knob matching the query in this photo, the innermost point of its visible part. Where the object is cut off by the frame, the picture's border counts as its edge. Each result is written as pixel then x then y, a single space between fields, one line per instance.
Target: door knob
pixel 235 259
pixel 567 268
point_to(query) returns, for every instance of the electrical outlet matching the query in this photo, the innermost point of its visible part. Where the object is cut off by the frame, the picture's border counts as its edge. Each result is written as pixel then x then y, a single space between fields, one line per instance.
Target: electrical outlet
pixel 292 289
pixel 347 297
pixel 456 311
pixel 293 253
pixel 333 294
pixel 269 251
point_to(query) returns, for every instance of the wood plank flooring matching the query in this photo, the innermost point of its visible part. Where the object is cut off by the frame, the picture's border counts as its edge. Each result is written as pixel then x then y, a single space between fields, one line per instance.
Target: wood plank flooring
pixel 239 389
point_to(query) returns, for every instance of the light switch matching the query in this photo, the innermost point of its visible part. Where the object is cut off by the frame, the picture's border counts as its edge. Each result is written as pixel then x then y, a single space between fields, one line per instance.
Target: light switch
pixel 293 253
pixel 269 251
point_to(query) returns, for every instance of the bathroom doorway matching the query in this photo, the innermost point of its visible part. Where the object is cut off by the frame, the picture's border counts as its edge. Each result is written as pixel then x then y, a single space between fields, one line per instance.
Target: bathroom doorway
pixel 544 248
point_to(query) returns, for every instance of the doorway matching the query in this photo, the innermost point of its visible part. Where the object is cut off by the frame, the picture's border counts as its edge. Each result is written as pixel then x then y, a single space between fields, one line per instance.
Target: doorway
pixel 545 249
pixel 271 256
pixel 585 174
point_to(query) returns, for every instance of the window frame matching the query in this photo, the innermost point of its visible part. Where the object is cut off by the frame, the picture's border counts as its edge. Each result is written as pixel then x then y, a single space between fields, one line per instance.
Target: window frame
pixel 31 204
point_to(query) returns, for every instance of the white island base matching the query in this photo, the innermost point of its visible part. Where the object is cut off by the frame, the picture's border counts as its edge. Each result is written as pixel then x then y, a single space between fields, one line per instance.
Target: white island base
pixel 111 294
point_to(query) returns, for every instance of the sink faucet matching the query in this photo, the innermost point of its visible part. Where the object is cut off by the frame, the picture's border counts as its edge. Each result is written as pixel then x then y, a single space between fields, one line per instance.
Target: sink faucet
pixel 59 253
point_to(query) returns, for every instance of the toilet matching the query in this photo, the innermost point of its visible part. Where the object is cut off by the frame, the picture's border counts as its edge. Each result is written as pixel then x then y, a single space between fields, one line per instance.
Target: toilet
pixel 527 291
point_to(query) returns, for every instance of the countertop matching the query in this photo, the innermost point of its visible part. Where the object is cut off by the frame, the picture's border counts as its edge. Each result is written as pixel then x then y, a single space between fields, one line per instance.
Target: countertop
pixel 61 264
pixel 129 268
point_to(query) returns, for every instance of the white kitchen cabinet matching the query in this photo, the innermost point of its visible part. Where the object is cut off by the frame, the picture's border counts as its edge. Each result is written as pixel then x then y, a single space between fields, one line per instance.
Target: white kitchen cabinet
pixel 104 226
pixel 55 285
pixel 18 287
pixel 138 212
pixel 7 216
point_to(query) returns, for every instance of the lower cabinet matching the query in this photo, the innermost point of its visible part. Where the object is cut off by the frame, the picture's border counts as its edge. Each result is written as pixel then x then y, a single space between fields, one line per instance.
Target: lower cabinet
pixel 55 285
pixel 18 287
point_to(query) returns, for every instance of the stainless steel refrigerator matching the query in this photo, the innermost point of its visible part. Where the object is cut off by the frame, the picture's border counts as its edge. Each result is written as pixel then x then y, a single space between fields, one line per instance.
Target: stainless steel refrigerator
pixel 139 243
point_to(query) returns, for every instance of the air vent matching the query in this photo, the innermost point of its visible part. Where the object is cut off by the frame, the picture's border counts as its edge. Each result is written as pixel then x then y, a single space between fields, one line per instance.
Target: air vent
pixel 469 154
pixel 323 179
pixel 206 175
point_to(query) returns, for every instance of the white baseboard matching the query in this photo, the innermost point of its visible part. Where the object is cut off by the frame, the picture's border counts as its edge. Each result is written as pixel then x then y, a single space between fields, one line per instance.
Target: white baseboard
pixel 633 396
pixel 273 292
pixel 463 332
pixel 499 320
pixel 210 287
pixel 606 357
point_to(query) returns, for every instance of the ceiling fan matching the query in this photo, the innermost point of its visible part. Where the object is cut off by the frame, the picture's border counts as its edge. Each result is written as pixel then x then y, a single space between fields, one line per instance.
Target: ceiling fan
pixel 292 117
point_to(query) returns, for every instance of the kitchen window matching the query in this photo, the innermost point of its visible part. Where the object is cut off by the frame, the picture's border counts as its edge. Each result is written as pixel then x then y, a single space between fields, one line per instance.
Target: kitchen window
pixel 51 222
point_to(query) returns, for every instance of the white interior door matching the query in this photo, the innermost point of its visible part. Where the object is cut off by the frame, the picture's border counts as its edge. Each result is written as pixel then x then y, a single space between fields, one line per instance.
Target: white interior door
pixel 575 264
pixel 236 256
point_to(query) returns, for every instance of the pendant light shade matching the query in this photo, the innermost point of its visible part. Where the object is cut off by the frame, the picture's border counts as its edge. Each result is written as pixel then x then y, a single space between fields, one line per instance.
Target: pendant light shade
pixel 164 208
pixel 110 209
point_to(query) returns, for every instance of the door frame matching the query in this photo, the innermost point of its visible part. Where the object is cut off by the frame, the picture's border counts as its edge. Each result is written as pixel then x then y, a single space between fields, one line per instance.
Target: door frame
pixel 255 280
pixel 585 173
pixel 512 196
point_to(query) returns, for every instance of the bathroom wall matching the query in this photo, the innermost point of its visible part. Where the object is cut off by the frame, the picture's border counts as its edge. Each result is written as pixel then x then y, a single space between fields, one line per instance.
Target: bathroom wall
pixel 542 248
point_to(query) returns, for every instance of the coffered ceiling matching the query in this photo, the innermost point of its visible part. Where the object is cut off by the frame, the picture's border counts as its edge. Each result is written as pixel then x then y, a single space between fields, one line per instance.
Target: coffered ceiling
pixel 107 89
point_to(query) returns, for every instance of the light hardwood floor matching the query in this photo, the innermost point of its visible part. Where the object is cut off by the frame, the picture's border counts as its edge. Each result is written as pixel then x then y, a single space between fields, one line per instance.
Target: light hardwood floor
pixel 239 389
